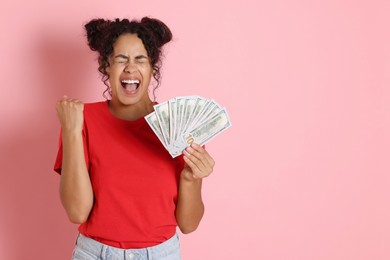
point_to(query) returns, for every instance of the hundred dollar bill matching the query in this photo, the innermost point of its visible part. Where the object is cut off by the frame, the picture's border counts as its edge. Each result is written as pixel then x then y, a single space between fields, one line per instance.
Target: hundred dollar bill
pixel 187 108
pixel 152 120
pixel 162 113
pixel 180 110
pixel 209 111
pixel 172 119
pixel 198 108
pixel 209 129
pixel 189 105
pixel 178 119
pixel 212 111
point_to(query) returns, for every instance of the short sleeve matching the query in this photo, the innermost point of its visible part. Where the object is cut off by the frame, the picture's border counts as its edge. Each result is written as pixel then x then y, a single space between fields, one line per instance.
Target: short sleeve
pixel 58 161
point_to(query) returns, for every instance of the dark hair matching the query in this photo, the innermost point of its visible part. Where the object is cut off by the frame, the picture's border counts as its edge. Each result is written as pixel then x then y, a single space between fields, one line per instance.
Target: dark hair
pixel 102 34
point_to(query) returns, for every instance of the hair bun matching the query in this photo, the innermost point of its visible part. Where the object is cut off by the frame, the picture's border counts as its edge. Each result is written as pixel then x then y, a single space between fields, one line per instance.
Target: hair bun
pixel 161 32
pixel 96 29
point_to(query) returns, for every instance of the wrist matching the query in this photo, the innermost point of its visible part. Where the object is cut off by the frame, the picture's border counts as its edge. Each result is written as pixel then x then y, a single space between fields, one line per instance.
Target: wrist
pixel 71 132
pixel 189 180
pixel 70 137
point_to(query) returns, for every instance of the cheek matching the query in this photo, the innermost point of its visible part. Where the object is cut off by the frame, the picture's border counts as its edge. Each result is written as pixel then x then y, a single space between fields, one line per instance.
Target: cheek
pixel 114 72
pixel 147 73
pixel 113 79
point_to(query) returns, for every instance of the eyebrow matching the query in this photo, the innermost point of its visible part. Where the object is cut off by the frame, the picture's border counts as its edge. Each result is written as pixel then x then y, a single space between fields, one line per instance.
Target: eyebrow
pixel 121 56
pixel 126 57
pixel 141 57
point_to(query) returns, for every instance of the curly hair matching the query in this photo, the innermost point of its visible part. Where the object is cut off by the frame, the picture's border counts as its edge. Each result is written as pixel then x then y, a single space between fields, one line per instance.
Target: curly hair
pixel 102 35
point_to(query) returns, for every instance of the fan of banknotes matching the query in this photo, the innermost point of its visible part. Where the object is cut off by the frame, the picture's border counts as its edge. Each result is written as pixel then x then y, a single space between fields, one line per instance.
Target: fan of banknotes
pixel 181 121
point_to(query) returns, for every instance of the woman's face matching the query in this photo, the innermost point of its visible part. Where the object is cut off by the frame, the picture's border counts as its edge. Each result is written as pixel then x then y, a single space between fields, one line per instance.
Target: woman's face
pixel 130 71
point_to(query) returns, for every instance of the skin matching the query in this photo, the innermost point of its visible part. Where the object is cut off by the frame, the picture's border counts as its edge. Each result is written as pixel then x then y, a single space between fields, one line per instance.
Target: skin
pixel 129 60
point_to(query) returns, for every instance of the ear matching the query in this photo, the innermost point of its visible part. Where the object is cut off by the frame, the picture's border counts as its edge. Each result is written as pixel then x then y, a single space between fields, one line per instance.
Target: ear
pixel 155 70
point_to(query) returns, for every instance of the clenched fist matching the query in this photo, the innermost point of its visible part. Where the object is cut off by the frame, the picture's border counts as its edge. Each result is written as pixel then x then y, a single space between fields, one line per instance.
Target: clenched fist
pixel 70 114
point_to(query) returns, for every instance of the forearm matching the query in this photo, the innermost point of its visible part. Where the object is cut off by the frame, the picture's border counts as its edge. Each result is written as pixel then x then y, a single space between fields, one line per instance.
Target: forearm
pixel 190 208
pixel 75 185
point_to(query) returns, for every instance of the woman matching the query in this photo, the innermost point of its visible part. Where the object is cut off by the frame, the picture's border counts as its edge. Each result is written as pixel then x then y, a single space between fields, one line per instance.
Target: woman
pixel 117 180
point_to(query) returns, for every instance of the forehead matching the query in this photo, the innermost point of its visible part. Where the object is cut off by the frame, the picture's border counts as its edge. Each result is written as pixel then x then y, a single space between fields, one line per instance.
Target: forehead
pixel 129 44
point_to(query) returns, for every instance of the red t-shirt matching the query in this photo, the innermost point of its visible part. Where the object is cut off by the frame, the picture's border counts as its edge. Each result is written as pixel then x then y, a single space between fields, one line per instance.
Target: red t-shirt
pixel 134 180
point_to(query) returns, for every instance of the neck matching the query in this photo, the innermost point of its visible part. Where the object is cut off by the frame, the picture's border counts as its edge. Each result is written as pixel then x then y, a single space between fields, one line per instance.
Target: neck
pixel 131 112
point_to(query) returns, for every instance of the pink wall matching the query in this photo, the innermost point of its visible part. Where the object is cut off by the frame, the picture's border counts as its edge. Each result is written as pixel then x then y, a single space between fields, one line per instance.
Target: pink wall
pixel 302 174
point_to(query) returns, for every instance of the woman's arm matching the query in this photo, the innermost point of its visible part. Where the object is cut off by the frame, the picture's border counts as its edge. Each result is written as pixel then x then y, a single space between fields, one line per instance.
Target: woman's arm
pixel 75 185
pixel 190 208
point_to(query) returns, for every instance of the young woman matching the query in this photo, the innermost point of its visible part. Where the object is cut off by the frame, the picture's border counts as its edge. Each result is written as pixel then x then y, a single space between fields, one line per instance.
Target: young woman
pixel 117 180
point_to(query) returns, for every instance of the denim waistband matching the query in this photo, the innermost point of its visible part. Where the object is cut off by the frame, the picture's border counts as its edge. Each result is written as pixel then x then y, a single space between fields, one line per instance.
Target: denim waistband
pixel 89 246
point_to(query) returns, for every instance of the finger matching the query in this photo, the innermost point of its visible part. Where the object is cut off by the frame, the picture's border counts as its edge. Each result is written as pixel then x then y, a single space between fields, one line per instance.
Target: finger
pixel 201 150
pixel 207 160
pixel 196 157
pixel 60 103
pixel 60 100
pixel 71 100
pixel 201 153
pixel 194 168
pixel 202 170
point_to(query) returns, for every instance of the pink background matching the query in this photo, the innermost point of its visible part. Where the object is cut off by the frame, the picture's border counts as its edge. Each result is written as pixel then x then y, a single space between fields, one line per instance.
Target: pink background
pixel 302 174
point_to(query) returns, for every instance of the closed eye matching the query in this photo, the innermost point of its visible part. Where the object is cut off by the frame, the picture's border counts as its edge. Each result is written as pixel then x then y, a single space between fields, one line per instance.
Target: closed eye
pixel 121 59
pixel 141 59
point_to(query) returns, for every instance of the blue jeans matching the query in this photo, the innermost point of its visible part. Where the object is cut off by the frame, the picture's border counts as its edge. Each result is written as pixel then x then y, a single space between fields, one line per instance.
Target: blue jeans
pixel 88 249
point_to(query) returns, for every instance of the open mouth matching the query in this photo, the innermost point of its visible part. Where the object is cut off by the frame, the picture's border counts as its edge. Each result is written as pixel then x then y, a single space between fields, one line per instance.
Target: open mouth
pixel 130 85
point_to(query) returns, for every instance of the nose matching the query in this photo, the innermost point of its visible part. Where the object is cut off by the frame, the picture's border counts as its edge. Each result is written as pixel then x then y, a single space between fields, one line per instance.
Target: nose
pixel 130 67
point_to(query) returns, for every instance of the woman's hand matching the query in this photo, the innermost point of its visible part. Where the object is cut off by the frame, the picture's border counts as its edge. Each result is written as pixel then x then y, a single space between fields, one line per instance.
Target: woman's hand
pixel 198 163
pixel 70 114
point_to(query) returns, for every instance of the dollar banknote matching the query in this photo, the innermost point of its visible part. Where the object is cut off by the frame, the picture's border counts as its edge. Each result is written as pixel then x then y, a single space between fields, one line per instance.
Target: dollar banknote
pixel 181 121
